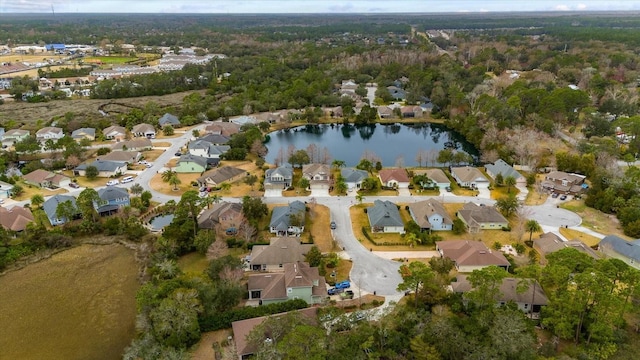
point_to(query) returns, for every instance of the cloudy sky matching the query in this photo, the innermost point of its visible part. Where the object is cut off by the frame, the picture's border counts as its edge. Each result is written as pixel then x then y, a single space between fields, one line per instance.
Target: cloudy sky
pixel 308 6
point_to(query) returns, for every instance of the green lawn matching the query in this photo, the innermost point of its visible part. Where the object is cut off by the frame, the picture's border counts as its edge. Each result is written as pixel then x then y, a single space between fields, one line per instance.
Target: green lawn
pixel 110 59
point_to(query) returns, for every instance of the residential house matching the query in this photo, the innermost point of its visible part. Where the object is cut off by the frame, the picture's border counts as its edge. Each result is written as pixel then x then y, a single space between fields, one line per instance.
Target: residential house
pixel 225 174
pixel 564 183
pixel 133 145
pixel 437 178
pixel 50 207
pixel 112 199
pixel 501 167
pixel 480 217
pixel 49 133
pixel 242 328
pixel 144 130
pixel 288 220
pixel 277 179
pixel 348 87
pixel 397 93
pixel 225 215
pixel 215 139
pixel 618 248
pixel 105 168
pixel 469 177
pixel 396 178
pixel 191 164
pixel 411 111
pixel 11 137
pixel 16 218
pixel 206 149
pixel 353 177
pixel 297 281
pixel 84 133
pixel 385 112
pixel 280 251
pixel 168 119
pixel 129 157
pixel 430 215
pixel 469 255
pixel 46 179
pixel 243 120
pixel 385 217
pixel 115 132
pixel 549 243
pixel 527 294
pixel 319 176
pixel 5 190
pixel 222 128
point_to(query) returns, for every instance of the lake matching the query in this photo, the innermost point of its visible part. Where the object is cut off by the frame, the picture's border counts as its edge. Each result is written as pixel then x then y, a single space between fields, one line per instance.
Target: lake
pixel 393 144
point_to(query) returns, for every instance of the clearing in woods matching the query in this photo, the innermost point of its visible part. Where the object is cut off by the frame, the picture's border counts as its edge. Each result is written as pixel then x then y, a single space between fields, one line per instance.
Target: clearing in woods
pixel 78 304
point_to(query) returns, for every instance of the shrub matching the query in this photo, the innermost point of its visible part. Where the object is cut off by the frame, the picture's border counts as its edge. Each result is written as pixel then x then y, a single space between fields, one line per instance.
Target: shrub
pixel 497 245
pixel 223 320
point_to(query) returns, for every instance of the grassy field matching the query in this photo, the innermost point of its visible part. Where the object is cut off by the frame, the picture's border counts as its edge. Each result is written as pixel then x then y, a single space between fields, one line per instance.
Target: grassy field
pixel 118 60
pixel 594 219
pixel 79 304
pixel 571 234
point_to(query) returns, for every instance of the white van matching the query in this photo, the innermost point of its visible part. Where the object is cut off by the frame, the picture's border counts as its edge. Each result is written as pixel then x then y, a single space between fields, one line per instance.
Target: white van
pixel 126 179
pixel 113 182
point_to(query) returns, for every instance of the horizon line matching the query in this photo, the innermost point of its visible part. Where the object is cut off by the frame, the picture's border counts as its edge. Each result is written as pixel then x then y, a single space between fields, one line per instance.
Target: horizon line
pixel 461 12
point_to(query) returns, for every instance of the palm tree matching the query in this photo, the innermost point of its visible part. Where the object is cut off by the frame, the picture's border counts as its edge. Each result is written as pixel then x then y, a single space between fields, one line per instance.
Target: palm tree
pixel 175 181
pixel 136 189
pixel 412 239
pixel 37 200
pixel 359 198
pixel 171 177
pixel 509 181
pixel 532 226
pixel 337 164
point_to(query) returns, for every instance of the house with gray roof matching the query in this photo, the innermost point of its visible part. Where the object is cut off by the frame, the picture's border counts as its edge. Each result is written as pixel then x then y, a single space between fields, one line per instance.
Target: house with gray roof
pixel 83 133
pixel 527 294
pixel 224 215
pixel 280 251
pixel 129 157
pixel 168 119
pixel 207 149
pixel 288 220
pixel 50 207
pixel 437 177
pixel 49 133
pixel 353 177
pixel 297 281
pixel 469 177
pixel 501 167
pixel 215 139
pixel 215 177
pixel 479 217
pixel 430 215
pixel 105 168
pixel 385 217
pixel 115 132
pixel 144 130
pixel 277 179
pixel 140 144
pixel 112 199
pixel 618 248
pixel 191 164
pixel 549 243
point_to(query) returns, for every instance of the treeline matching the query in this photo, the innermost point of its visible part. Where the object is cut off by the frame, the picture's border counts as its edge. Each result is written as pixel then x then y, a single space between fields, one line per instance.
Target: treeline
pixel 64 72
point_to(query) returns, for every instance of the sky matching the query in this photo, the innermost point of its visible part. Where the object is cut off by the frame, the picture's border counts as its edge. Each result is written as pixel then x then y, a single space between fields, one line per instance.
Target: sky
pixel 309 6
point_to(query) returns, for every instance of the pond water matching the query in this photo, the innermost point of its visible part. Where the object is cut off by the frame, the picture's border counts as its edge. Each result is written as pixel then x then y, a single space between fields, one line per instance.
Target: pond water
pixel 159 222
pixel 393 144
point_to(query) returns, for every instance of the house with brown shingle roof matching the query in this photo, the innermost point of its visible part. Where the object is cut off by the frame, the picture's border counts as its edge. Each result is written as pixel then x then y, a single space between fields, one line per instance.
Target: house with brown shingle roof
pixel 128 157
pixel 477 217
pixel 469 177
pixel 297 281
pixel 144 130
pixel 16 218
pixel 224 214
pixel 469 255
pixel 430 215
pixel 46 179
pixel 242 329
pixel 531 299
pixel 549 243
pixel 221 175
pixel 564 183
pixel 222 128
pixel 280 251
pixel 394 178
pixel 115 132
pixel 437 176
pixel 133 145
pixel 319 176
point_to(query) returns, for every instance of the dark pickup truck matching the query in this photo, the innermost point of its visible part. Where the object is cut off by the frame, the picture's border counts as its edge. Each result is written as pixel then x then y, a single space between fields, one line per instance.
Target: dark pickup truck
pixel 347 295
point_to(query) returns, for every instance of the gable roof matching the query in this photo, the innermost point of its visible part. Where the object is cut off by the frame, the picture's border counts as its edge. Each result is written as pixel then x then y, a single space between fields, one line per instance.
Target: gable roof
pixel 437 175
pixel 16 133
pixel 295 275
pixel 124 156
pixel 423 210
pixel 473 213
pixel 501 167
pixel 49 129
pixel 285 172
pixel 352 175
pixel 51 204
pixel 550 242
pixel 310 170
pixel 16 218
pixel 629 249
pixel 561 175
pixel 103 165
pixel 508 290
pixel 133 144
pixel 220 175
pixel 280 251
pixel 468 174
pixel 112 193
pixel 114 129
pixel 143 128
pixel 383 214
pixel 192 158
pixel 281 215
pixel 397 174
pixel 471 253
pixel 39 176
pixel 212 215
pixel 168 119
pixel 215 138
pixel 223 128
pixel 79 133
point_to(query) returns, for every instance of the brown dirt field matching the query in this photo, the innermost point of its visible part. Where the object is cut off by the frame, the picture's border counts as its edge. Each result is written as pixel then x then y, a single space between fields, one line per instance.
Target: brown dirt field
pixel 157 184
pixel 152 155
pixel 34 72
pixel 203 350
pixel 162 144
pixel 30 113
pixel 37 57
pixel 319 228
pixel 571 234
pixel 79 304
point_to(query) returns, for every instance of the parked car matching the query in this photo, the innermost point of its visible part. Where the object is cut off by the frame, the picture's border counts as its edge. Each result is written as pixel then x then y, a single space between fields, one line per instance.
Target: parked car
pixel 1 201
pixel 74 185
pixel 148 165
pixel 178 154
pixel 563 197
pixel 113 182
pixel 554 195
pixel 333 225
pixel 448 188
pixel 343 284
pixel 347 295
pixel 334 291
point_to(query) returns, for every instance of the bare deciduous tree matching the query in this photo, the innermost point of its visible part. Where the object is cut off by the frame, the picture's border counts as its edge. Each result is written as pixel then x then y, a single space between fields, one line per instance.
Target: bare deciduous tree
pixel 217 249
pixel 247 231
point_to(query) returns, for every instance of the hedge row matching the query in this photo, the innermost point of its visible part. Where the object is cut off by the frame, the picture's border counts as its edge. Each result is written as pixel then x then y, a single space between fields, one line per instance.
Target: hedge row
pixel 224 320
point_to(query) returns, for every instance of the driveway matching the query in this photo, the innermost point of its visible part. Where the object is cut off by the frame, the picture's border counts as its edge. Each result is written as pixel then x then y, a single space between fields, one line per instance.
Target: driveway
pixel 484 193
pixel 272 193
